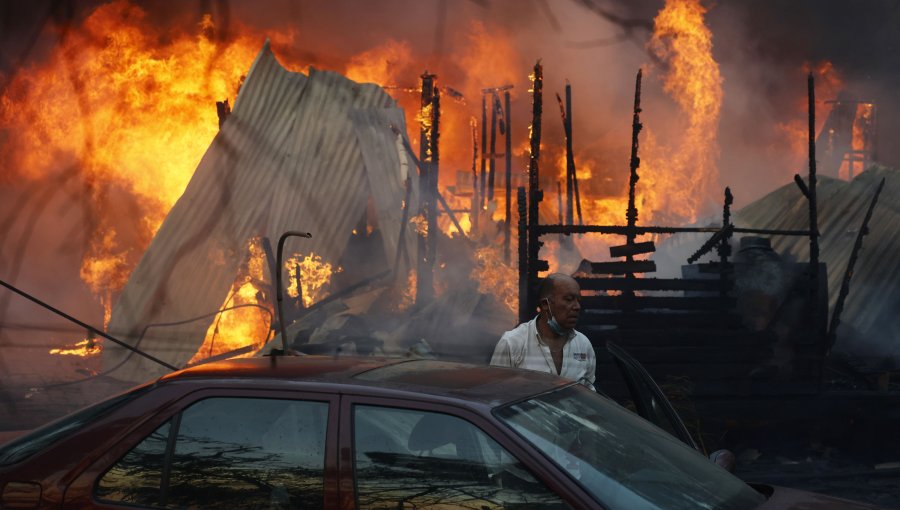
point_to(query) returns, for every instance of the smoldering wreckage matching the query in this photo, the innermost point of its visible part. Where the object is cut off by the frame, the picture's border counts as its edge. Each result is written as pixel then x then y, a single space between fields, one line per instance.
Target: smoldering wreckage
pixel 792 298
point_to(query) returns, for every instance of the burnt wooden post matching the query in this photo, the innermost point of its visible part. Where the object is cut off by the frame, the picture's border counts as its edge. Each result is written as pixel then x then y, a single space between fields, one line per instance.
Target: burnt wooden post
pixel 724 246
pixel 483 179
pixel 632 214
pixel 813 212
pixel 508 153
pixel 571 179
pixel 521 203
pixel 424 275
pixel 476 201
pixel 570 159
pixel 492 163
pixel 535 195
pixel 433 174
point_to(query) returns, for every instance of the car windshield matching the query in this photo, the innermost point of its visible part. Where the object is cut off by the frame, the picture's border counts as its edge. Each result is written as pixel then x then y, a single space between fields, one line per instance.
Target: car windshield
pixel 25 446
pixel 624 461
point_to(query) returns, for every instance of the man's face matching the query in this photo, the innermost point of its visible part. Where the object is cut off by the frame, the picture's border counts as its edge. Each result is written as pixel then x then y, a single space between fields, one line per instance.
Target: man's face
pixel 565 303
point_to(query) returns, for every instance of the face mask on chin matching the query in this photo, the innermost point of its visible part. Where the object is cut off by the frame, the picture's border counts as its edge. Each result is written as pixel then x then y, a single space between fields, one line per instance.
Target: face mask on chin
pixel 555 326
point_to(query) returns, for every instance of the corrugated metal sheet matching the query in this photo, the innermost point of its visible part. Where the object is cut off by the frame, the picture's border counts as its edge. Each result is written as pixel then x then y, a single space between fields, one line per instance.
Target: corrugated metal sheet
pixel 288 158
pixel 870 323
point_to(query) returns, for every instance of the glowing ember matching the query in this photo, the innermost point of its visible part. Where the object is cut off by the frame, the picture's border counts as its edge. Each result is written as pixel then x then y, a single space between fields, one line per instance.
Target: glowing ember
pixel 84 348
pixel 420 224
pixel 315 275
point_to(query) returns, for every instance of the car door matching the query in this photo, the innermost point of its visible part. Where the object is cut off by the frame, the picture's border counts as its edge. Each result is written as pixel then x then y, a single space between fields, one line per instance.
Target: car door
pixel 411 454
pixel 649 400
pixel 221 448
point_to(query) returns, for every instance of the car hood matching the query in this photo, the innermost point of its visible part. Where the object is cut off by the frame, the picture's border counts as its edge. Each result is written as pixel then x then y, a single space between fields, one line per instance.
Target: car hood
pixel 791 499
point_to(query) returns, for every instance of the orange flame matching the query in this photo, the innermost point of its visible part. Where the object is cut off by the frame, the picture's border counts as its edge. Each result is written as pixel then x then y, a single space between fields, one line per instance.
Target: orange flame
pixel 245 319
pixel 682 183
pixel 495 277
pixel 315 275
pixel 85 348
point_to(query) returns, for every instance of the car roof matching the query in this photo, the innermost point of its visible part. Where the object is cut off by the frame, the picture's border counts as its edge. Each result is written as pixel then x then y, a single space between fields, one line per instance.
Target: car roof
pixel 473 383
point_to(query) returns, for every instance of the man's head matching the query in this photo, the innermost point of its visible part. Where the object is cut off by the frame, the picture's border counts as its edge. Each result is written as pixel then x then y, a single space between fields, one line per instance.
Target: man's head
pixel 563 295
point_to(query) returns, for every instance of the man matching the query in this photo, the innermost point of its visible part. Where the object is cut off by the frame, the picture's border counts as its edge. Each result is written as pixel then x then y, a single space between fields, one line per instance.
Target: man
pixel 549 342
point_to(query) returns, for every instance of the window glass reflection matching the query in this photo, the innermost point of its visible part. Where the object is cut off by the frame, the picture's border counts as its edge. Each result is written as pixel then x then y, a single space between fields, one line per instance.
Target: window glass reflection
pixel 228 453
pixel 415 459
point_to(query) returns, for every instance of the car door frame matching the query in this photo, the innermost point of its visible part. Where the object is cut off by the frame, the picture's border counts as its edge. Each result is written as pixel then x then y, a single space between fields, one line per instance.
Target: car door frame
pixel 634 373
pixel 541 467
pixel 79 493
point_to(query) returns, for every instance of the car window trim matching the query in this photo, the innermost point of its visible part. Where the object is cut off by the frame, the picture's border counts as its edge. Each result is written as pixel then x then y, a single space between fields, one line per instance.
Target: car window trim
pixel 84 481
pixel 548 474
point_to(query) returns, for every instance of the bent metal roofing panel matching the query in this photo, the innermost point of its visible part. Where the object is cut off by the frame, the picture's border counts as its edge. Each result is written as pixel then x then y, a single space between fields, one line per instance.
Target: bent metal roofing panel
pixel 297 153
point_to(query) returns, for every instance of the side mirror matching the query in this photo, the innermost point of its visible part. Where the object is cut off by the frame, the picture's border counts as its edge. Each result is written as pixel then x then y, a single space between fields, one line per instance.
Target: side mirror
pixel 725 459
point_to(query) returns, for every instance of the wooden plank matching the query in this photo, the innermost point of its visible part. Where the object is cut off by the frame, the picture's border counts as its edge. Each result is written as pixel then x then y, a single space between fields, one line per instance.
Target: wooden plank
pixel 621 267
pixel 664 284
pixel 651 320
pixel 626 302
pixel 632 249
pixel 676 335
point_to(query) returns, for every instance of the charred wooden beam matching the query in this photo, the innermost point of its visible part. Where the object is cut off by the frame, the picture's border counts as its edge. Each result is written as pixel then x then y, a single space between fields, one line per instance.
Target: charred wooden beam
pixel 424 275
pixel 483 179
pixel 624 302
pixel 727 233
pixel 632 214
pixel 476 200
pixel 569 191
pixel 664 284
pixel 813 210
pixel 433 175
pixel 523 254
pixel 618 267
pixel 535 195
pixel 802 185
pixel 640 230
pixel 492 164
pixel 570 159
pixel 848 273
pixel 632 249
pixel 507 227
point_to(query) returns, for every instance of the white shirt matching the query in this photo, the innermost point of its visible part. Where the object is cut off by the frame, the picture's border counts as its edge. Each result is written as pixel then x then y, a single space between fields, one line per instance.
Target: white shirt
pixel 523 348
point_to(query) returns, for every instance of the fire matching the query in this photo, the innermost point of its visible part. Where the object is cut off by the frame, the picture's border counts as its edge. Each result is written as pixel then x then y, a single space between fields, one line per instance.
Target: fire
pixel 84 348
pixel 795 133
pixel 105 271
pixel 245 316
pixel 684 181
pixel 495 277
pixel 315 275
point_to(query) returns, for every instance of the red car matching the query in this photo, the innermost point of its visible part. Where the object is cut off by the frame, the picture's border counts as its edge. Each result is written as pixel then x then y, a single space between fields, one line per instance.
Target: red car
pixel 313 432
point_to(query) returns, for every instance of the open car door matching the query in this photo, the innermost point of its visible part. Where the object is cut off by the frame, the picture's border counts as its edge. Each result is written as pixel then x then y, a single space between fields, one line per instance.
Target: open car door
pixel 650 402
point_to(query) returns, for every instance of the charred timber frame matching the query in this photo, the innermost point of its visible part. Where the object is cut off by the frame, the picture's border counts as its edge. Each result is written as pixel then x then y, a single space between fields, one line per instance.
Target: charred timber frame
pixel 522 205
pixel 848 273
pixel 427 209
pixel 535 195
pixel 813 210
pixel 507 228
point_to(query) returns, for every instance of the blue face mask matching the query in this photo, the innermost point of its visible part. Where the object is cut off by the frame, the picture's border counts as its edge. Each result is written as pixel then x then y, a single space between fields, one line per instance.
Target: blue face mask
pixel 557 329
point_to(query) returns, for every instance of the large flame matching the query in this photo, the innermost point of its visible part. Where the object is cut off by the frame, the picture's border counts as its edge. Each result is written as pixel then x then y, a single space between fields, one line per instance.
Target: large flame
pixel 685 178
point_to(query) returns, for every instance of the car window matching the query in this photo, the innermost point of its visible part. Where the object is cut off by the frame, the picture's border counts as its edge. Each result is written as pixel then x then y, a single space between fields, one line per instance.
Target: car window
pixel 230 453
pixel 623 460
pixel 416 459
pixel 29 444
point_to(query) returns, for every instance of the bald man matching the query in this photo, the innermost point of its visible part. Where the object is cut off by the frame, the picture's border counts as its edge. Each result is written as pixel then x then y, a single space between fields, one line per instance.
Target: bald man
pixel 549 342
